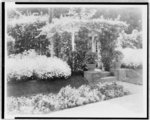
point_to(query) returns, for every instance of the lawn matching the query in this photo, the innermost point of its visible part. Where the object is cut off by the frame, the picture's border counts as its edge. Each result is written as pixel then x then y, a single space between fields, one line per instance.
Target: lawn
pixel 26 88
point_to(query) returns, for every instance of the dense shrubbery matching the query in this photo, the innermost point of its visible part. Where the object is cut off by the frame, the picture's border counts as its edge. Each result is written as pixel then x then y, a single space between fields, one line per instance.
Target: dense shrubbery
pixel 62 45
pixel 75 61
pixel 132 58
pixel 107 31
pixel 30 64
pixel 10 45
pixel 63 48
pixel 24 30
pixel 67 97
pixel 118 55
pixel 133 40
pixel 34 32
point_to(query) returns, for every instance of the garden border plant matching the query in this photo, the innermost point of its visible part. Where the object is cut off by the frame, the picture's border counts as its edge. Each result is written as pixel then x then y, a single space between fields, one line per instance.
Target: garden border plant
pixel 67 97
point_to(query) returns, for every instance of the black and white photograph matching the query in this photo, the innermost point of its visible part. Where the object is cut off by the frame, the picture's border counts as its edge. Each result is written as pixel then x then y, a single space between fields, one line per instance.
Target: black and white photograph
pixel 75 60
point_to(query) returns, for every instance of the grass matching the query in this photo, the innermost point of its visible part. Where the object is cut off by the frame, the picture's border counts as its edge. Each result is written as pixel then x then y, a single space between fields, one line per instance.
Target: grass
pixel 33 87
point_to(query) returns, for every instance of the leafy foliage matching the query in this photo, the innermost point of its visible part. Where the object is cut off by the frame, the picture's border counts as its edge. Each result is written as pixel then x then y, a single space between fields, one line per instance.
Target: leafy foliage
pixel 62 45
pixel 24 30
pixel 107 29
pixel 67 97
pixel 31 31
pixel 118 55
pixel 75 61
pixel 90 57
pixel 107 37
pixel 63 48
pixel 10 45
pixel 132 16
pixel 111 90
pixel 133 40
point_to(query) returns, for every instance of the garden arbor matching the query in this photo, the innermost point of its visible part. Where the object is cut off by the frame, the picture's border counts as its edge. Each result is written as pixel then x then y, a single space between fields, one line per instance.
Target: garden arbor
pixel 64 24
pixel 103 32
pixel 71 25
pixel 107 32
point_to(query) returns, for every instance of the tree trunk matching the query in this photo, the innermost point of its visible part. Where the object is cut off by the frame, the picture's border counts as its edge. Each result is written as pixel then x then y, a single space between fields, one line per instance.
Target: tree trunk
pixel 50 39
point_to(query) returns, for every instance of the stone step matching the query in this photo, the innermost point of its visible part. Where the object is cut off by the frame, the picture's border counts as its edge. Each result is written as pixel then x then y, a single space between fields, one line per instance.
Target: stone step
pixel 105 74
pixel 94 75
pixel 101 74
pixel 107 79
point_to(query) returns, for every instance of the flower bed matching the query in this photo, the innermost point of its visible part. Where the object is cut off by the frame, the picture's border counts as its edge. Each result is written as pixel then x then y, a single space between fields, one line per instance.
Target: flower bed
pixel 67 97
pixel 26 66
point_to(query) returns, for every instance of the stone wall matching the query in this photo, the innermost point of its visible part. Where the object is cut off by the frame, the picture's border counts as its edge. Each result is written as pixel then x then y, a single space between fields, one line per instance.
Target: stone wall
pixel 128 75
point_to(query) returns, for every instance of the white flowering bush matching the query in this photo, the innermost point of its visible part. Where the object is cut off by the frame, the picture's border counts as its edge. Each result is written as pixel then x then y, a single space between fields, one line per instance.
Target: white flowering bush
pixel 30 64
pixel 133 40
pixel 132 57
pixel 111 90
pixel 67 97
pixel 52 67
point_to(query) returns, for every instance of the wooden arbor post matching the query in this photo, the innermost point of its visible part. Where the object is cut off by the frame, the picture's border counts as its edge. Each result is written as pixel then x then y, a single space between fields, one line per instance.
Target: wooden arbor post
pixel 50 11
pixel 93 45
pixel 73 40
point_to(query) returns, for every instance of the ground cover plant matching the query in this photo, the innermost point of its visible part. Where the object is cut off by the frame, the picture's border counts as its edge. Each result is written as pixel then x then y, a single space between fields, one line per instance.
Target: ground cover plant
pixel 67 97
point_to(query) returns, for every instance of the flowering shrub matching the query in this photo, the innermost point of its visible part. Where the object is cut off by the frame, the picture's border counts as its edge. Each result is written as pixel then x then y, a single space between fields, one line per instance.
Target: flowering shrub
pixel 132 57
pixel 67 97
pixel 133 40
pixel 111 90
pixel 28 65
